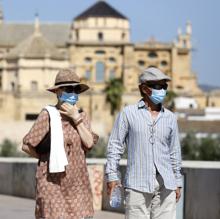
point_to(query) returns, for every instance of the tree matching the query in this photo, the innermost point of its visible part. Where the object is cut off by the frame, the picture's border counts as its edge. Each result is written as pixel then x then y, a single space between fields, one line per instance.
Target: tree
pixel 114 90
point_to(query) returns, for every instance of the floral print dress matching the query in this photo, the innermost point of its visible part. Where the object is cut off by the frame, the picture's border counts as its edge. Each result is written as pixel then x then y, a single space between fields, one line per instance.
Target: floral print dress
pixel 65 195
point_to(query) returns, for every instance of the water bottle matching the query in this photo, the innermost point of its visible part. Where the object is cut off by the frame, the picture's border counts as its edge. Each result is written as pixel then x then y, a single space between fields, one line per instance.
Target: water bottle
pixel 115 199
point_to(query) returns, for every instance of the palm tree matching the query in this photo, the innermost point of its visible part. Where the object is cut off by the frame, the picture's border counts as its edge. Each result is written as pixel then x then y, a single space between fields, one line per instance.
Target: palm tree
pixel 114 90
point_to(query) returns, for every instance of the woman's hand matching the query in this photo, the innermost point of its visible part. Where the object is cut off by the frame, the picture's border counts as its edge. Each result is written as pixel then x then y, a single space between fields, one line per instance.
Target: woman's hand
pixel 70 111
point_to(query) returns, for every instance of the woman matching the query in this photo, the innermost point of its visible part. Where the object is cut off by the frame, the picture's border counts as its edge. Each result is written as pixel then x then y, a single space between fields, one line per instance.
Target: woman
pixel 64 194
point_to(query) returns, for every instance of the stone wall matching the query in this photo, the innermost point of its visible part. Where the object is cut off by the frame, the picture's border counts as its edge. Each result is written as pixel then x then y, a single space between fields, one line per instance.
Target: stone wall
pixel 200 198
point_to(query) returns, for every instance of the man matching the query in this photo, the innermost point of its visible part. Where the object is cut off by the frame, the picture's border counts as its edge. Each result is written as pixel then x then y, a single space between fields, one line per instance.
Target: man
pixel 150 132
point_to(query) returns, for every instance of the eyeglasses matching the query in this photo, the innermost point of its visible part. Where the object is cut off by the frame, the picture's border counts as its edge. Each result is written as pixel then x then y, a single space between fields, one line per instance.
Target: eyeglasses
pixel 157 86
pixel 70 89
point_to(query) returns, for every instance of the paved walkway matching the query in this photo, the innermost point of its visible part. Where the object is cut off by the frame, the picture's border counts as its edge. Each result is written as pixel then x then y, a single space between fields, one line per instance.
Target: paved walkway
pixel 21 208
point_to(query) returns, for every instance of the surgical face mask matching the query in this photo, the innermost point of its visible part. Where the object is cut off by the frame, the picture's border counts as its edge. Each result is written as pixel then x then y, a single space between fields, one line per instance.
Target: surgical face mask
pixel 158 96
pixel 71 98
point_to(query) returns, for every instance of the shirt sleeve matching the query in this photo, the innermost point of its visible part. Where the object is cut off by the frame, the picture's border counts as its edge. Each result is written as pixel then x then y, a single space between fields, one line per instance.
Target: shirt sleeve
pixel 116 147
pixel 87 123
pixel 38 131
pixel 175 153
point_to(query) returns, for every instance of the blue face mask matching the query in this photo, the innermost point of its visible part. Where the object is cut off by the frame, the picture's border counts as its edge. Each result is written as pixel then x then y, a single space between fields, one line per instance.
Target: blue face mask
pixel 158 96
pixel 71 98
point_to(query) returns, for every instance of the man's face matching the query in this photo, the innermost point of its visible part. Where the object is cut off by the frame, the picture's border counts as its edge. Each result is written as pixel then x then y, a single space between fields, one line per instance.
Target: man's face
pixel 157 85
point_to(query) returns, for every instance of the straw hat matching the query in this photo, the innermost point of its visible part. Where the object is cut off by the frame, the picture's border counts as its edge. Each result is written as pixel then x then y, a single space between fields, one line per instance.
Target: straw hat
pixel 68 77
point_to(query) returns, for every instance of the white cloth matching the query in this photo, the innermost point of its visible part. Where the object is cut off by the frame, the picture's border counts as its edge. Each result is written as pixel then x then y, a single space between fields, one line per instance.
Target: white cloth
pixel 58 159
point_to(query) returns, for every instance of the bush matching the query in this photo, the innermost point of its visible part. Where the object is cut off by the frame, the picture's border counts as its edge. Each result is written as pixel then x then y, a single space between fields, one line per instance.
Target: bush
pixel 210 149
pixel 8 148
pixel 190 147
pixel 200 149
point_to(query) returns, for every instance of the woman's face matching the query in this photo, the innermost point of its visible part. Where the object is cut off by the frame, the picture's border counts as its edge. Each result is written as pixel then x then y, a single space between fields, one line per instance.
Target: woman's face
pixel 67 89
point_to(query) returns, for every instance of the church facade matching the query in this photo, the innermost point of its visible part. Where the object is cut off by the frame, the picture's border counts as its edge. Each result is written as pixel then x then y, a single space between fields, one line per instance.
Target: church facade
pixel 97 45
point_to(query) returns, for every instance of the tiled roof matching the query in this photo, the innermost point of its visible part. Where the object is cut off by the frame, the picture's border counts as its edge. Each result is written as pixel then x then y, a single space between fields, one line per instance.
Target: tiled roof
pixel 35 46
pixel 100 9
pixel 13 33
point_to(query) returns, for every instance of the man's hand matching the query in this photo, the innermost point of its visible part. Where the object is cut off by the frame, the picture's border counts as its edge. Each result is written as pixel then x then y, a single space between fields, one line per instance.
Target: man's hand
pixel 178 194
pixel 70 110
pixel 111 186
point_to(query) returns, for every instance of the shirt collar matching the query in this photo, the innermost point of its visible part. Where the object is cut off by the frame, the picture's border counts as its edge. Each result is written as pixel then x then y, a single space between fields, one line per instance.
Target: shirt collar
pixel 141 105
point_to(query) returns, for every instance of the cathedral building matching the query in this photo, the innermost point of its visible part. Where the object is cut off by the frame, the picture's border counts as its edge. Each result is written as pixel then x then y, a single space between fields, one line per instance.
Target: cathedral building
pixel 98 46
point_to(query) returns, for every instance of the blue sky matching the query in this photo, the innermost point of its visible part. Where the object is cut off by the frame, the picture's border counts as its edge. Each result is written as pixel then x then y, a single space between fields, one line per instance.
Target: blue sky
pixel 158 18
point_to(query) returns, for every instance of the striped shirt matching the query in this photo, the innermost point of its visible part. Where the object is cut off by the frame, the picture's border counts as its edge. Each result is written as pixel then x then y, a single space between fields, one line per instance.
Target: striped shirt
pixel 152 145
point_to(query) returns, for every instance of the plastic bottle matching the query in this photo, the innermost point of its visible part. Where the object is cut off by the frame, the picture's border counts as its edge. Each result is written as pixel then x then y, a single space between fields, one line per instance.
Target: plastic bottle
pixel 115 199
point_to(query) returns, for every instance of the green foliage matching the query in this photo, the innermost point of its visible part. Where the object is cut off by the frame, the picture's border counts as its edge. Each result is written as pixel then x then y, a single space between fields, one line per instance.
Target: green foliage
pixel 114 90
pixel 99 150
pixel 210 149
pixel 200 149
pixel 190 147
pixel 8 149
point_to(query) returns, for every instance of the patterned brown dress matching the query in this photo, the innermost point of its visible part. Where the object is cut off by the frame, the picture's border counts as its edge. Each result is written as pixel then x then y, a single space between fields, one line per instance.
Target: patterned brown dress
pixel 65 195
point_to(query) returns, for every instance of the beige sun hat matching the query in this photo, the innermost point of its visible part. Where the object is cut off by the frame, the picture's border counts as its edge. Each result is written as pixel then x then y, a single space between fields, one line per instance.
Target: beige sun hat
pixel 68 77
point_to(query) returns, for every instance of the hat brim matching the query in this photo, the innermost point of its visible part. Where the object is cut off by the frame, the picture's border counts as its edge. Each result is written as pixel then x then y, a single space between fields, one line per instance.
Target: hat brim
pixel 161 79
pixel 157 79
pixel 82 87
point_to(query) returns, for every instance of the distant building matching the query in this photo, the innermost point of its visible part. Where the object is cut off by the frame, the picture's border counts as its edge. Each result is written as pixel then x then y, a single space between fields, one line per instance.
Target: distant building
pixel 97 44
pixel 185 103
pixel 200 128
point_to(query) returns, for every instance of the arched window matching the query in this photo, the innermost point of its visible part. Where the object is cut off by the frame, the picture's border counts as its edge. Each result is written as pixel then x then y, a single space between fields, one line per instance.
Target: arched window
pixel 141 63
pixel 184 43
pixel 77 35
pixel 34 85
pixel 1 79
pixel 88 60
pixel 112 60
pixel 100 72
pixel 152 54
pixel 123 35
pixel 164 63
pixel 100 36
pixel 179 87
pixel 152 66
pixel 12 86
pixel 99 52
